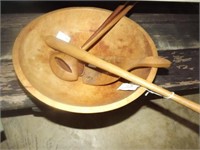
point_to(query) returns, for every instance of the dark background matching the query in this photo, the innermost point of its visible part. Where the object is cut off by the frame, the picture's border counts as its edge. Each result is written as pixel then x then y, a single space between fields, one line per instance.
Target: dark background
pixel 142 7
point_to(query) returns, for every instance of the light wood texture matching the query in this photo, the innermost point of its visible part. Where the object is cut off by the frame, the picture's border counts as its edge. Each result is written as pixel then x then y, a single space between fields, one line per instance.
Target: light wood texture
pixel 116 12
pixel 107 27
pixel 64 66
pixel 31 59
pixel 89 58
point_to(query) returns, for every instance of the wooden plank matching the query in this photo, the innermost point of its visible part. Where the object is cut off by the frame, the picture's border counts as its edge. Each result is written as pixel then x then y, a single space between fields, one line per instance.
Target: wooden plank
pixel 13 95
pixel 184 72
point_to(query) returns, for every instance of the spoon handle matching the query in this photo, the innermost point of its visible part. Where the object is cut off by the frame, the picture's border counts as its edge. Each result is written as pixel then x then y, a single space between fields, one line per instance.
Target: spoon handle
pixel 151 61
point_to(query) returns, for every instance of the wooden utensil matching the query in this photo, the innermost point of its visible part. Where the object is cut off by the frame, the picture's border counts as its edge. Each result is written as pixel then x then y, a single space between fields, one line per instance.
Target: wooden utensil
pixel 91 59
pixel 78 67
pixel 96 76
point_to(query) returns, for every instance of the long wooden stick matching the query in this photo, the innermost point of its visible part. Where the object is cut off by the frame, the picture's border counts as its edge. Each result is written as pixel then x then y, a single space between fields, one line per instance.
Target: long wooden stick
pixel 116 12
pixel 91 59
pixel 107 25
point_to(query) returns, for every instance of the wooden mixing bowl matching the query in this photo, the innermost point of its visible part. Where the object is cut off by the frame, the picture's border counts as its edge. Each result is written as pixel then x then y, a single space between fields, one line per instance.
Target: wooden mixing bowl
pixel 31 59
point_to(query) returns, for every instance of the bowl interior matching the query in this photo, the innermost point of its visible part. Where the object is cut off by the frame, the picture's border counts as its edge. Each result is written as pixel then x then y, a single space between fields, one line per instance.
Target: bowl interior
pixel 126 40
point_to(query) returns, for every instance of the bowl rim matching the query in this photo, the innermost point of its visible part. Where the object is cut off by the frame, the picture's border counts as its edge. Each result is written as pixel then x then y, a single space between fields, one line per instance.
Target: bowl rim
pixel 72 108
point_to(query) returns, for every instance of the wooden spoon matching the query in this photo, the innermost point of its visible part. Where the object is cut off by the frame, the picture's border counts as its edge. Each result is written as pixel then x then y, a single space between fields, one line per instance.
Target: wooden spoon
pixel 91 59
pixel 96 76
